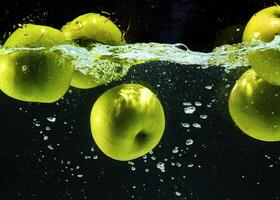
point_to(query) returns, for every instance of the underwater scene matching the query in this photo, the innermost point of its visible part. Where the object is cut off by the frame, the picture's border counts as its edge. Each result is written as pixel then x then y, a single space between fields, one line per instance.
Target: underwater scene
pixel 151 99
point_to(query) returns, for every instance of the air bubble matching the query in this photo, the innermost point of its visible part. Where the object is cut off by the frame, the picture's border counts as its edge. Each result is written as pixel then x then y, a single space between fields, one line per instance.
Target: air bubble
pixel 189 110
pixel 161 166
pixel 178 193
pixel 51 119
pixel 203 116
pixel 196 125
pixel 189 142
pixel 185 125
pixel 24 68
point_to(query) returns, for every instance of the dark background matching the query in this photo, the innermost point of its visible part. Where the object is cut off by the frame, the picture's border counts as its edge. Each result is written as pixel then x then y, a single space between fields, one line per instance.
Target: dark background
pixel 222 163
pixel 193 22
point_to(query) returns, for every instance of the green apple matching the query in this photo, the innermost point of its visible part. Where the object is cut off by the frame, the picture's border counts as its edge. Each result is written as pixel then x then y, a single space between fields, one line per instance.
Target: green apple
pixel 31 35
pixel 266 63
pixel 254 105
pixel 35 75
pixel 127 121
pixel 263 26
pixel 91 27
pixel 83 81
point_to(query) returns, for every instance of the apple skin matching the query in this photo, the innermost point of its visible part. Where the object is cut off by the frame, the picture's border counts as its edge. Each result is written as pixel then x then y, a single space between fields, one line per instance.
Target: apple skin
pixel 35 76
pixel 83 81
pixel 95 28
pixel 31 35
pixel 127 121
pixel 266 63
pixel 254 106
pixel 263 25
pixel 91 27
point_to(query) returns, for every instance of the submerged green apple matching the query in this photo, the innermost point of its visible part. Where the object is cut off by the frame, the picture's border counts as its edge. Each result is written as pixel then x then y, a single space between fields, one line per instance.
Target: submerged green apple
pixel 35 75
pixel 83 81
pixel 91 27
pixel 254 106
pixel 127 121
pixel 266 63
pixel 263 26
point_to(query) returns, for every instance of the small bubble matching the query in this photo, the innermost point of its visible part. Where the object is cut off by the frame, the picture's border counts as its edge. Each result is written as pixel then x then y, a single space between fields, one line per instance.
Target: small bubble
pixel 50 147
pixel 130 163
pixel 189 110
pixel 178 193
pixel 48 128
pixel 80 175
pixel 46 137
pixel 187 103
pixel 51 119
pixel 185 125
pixel 203 116
pixel 189 142
pixel 178 164
pixel 37 123
pixel 209 87
pixel 196 125
pixel 190 165
pixel 175 150
pixel 161 166
pixel 24 68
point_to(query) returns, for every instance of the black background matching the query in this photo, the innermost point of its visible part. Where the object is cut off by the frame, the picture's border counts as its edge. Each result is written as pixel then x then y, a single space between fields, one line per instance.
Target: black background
pixel 226 163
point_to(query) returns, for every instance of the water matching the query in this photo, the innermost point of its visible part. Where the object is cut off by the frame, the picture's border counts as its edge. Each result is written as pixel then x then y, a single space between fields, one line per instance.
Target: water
pixel 107 63
pixel 47 150
pixel 60 144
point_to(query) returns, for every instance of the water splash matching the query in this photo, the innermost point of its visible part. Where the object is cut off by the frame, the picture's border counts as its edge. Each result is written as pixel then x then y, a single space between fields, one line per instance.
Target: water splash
pixel 107 63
